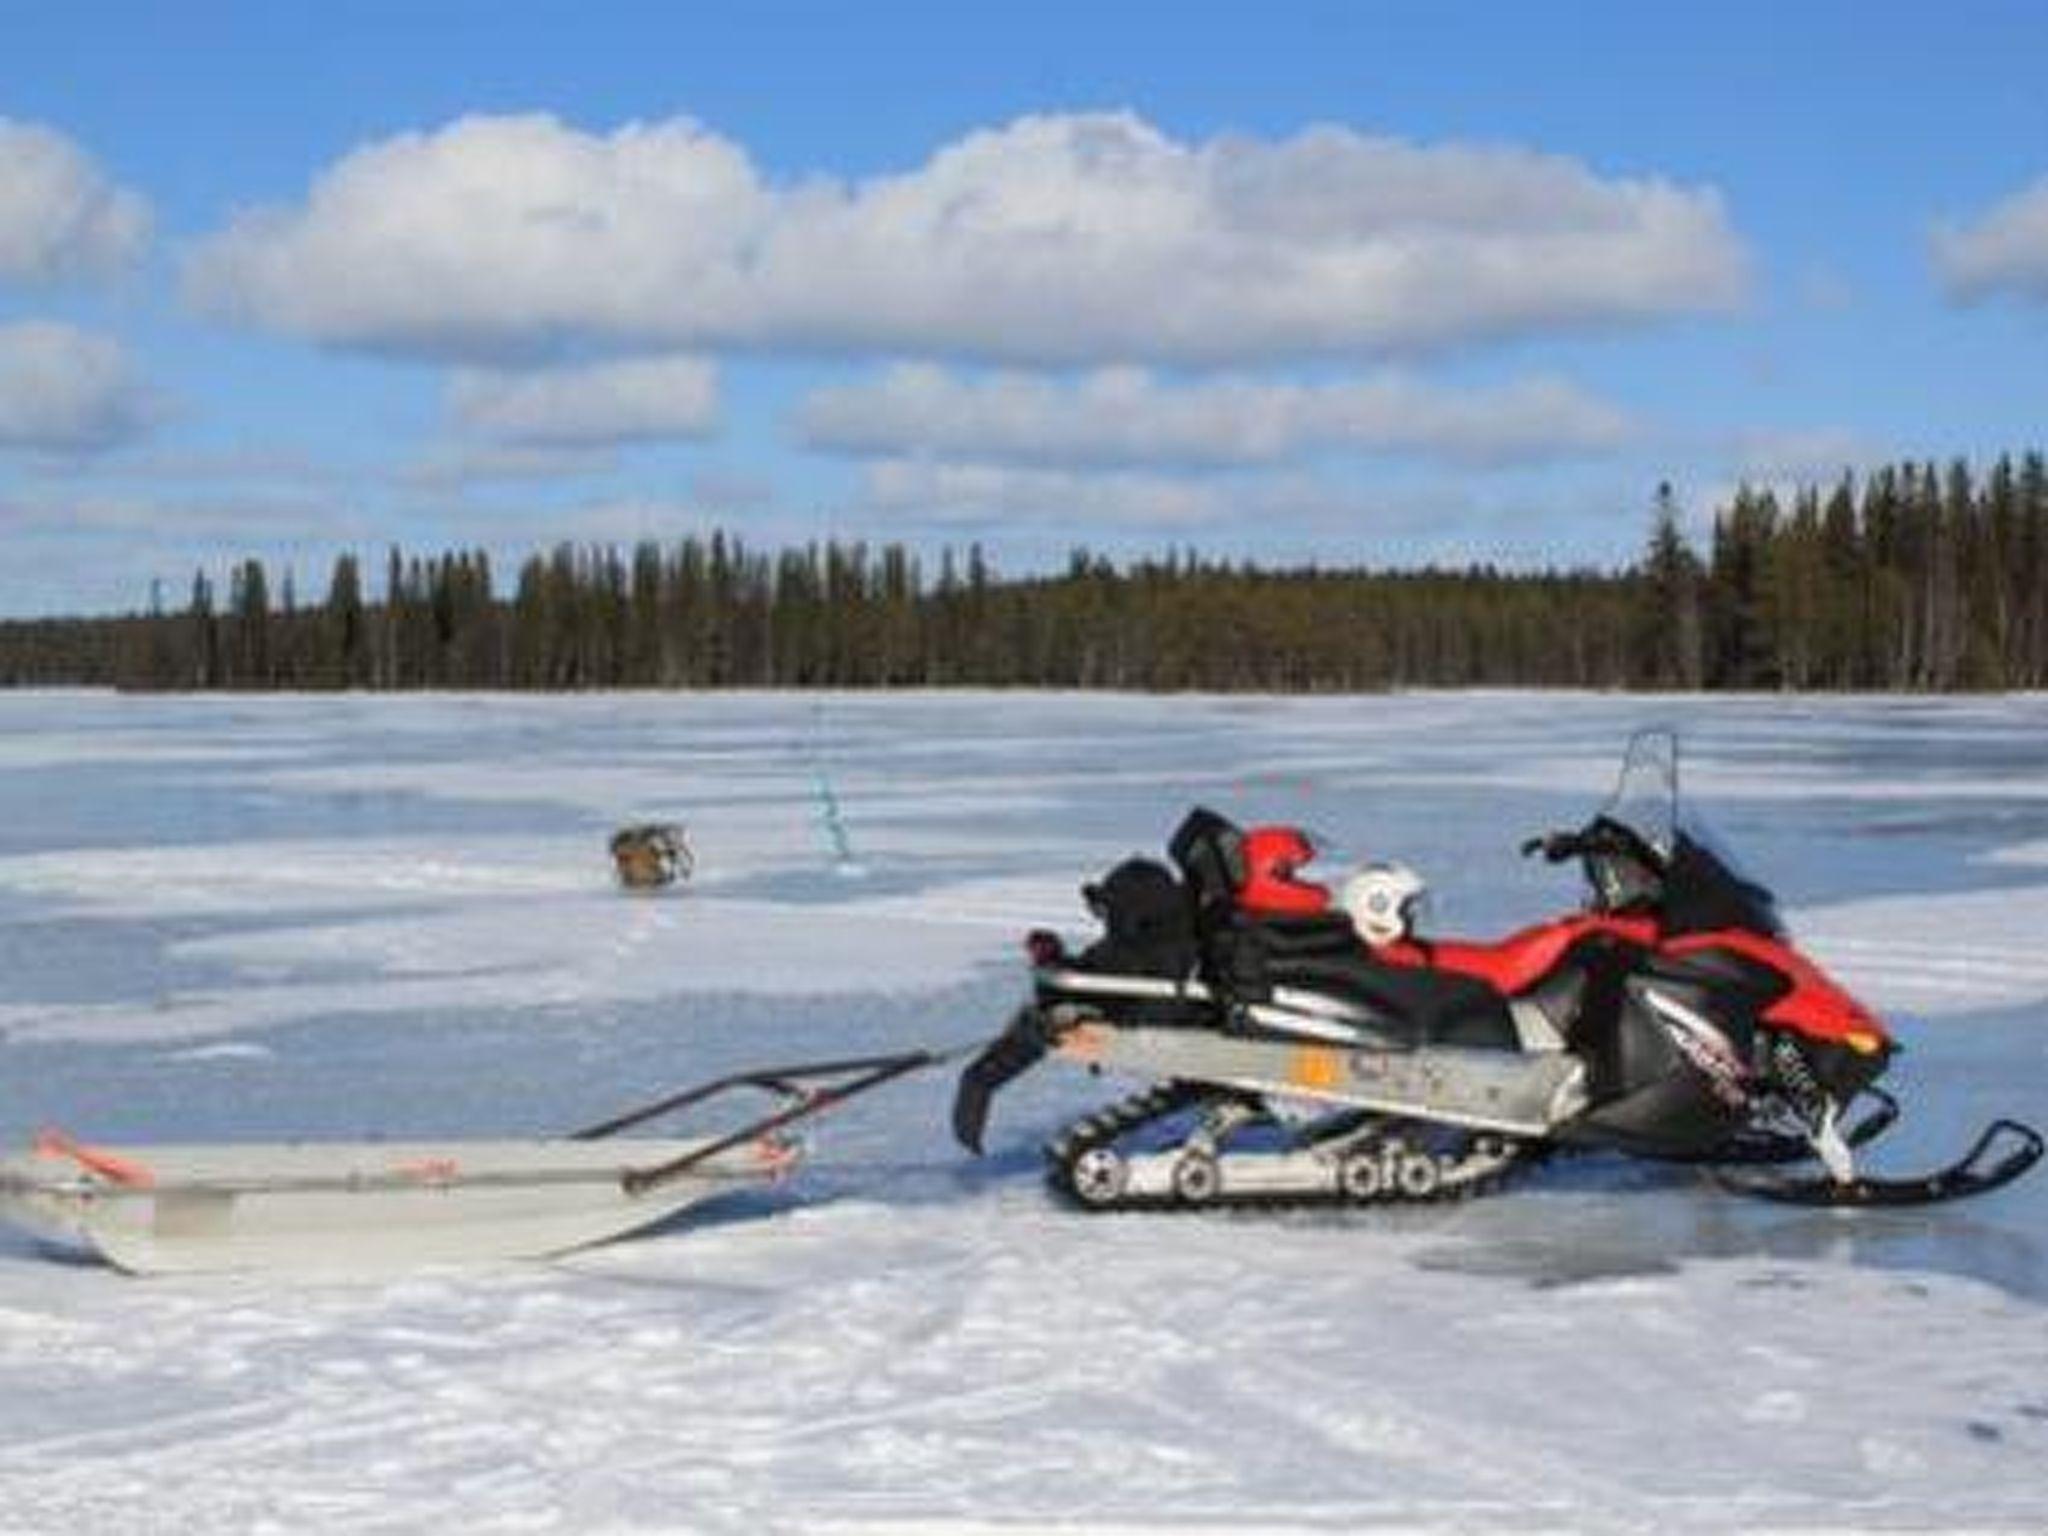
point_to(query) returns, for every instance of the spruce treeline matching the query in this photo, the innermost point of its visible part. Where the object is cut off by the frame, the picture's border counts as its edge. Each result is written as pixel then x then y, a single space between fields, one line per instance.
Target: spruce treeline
pixel 713 613
pixel 1917 577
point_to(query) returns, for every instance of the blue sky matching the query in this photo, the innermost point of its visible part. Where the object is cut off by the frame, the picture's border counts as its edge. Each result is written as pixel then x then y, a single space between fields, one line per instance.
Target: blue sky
pixel 1357 282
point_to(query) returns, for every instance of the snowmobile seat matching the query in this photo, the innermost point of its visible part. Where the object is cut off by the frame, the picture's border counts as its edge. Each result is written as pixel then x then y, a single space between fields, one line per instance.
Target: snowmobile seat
pixel 1411 1005
pixel 1509 965
pixel 1513 965
pixel 1245 955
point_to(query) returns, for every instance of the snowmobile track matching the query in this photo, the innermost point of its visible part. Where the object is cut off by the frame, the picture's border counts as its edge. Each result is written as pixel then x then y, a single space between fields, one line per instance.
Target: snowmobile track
pixel 1086 1168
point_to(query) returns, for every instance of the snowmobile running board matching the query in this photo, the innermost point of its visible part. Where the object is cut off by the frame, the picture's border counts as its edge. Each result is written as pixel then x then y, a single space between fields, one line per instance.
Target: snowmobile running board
pixel 1964 1177
pixel 368 1206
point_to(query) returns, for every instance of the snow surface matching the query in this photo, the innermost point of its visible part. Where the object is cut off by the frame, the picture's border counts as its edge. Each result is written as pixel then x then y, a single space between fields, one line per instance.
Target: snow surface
pixel 253 918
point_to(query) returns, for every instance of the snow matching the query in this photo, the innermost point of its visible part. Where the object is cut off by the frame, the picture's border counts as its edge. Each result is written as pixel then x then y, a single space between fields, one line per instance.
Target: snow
pixel 253 918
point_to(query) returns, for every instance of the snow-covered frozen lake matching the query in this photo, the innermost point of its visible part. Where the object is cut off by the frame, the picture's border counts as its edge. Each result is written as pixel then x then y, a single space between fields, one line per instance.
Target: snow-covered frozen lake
pixel 258 918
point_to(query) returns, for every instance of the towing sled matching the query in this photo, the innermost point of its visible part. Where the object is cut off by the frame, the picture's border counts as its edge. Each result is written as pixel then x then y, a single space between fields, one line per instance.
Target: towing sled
pixel 379 1205
pixel 1303 1049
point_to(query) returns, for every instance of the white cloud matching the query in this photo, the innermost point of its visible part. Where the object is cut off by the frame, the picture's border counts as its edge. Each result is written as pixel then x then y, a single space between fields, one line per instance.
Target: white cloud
pixel 632 520
pixel 621 518
pixel 1125 416
pixel 1268 516
pixel 1783 461
pixel 94 550
pixel 460 469
pixel 63 390
pixel 1813 456
pixel 971 494
pixel 733 489
pixel 143 521
pixel 1053 239
pixel 2005 251
pixel 60 217
pixel 275 465
pixel 630 400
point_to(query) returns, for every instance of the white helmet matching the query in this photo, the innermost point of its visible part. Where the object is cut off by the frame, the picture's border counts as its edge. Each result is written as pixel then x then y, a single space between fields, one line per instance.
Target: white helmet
pixel 1382 899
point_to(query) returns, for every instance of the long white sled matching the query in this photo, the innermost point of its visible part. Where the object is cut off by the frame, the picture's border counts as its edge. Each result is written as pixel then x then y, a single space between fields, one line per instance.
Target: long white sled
pixel 352 1206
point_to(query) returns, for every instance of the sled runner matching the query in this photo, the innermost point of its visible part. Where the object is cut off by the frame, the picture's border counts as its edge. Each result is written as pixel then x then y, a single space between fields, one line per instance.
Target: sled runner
pixel 376 1205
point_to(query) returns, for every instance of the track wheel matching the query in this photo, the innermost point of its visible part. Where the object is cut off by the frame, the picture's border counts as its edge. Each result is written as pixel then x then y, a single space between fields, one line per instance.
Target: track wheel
pixel 1196 1178
pixel 1419 1175
pixel 1099 1177
pixel 1360 1177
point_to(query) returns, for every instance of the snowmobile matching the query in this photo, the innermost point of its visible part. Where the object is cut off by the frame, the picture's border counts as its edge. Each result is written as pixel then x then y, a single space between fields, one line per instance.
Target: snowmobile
pixel 1306 1049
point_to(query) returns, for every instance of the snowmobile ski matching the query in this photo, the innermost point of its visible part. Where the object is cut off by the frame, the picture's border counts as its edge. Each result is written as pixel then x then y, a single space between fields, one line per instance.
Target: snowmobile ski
pixel 1971 1174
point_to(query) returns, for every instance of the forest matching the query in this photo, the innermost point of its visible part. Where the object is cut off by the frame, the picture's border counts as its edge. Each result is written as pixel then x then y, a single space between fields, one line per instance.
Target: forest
pixel 1915 577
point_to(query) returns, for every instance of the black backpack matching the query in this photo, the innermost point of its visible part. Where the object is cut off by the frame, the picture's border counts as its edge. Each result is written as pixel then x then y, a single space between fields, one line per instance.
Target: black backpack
pixel 1148 927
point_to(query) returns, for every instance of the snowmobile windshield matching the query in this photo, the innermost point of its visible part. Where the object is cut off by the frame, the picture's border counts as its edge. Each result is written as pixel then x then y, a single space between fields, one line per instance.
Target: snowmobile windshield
pixel 1627 847
pixel 1681 868
pixel 1706 891
pixel 1645 798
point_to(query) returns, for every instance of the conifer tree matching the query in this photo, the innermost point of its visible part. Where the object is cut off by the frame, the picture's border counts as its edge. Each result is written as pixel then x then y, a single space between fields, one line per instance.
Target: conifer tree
pixel 1671 644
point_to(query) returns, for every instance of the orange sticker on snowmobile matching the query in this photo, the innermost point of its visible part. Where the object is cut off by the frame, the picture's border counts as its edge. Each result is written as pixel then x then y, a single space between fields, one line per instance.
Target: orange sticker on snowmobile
pixel 1315 1066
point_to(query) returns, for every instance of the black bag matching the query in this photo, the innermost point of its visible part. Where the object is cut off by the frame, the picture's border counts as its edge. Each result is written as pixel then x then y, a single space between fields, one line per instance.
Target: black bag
pixel 1148 927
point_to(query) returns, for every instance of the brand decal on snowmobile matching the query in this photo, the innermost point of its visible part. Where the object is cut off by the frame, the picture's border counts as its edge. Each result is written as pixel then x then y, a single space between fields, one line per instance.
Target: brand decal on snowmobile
pixel 1370 1065
pixel 1704 1046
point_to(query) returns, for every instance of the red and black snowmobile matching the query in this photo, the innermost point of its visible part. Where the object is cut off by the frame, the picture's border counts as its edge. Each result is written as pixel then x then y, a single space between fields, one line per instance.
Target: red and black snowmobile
pixel 1302 1050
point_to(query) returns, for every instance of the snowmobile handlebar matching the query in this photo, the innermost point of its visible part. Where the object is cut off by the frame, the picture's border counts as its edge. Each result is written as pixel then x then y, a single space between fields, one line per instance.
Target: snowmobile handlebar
pixel 1554 846
pixel 1599 836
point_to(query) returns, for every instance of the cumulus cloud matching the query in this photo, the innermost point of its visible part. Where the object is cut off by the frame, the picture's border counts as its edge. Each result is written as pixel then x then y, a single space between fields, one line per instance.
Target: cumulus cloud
pixel 138 520
pixel 1266 513
pixel 89 549
pixel 1789 456
pixel 1126 416
pixel 1061 239
pixel 1783 461
pixel 733 489
pixel 634 519
pixel 63 390
pixel 60 217
pixel 461 468
pixel 972 494
pixel 630 400
pixel 2005 251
